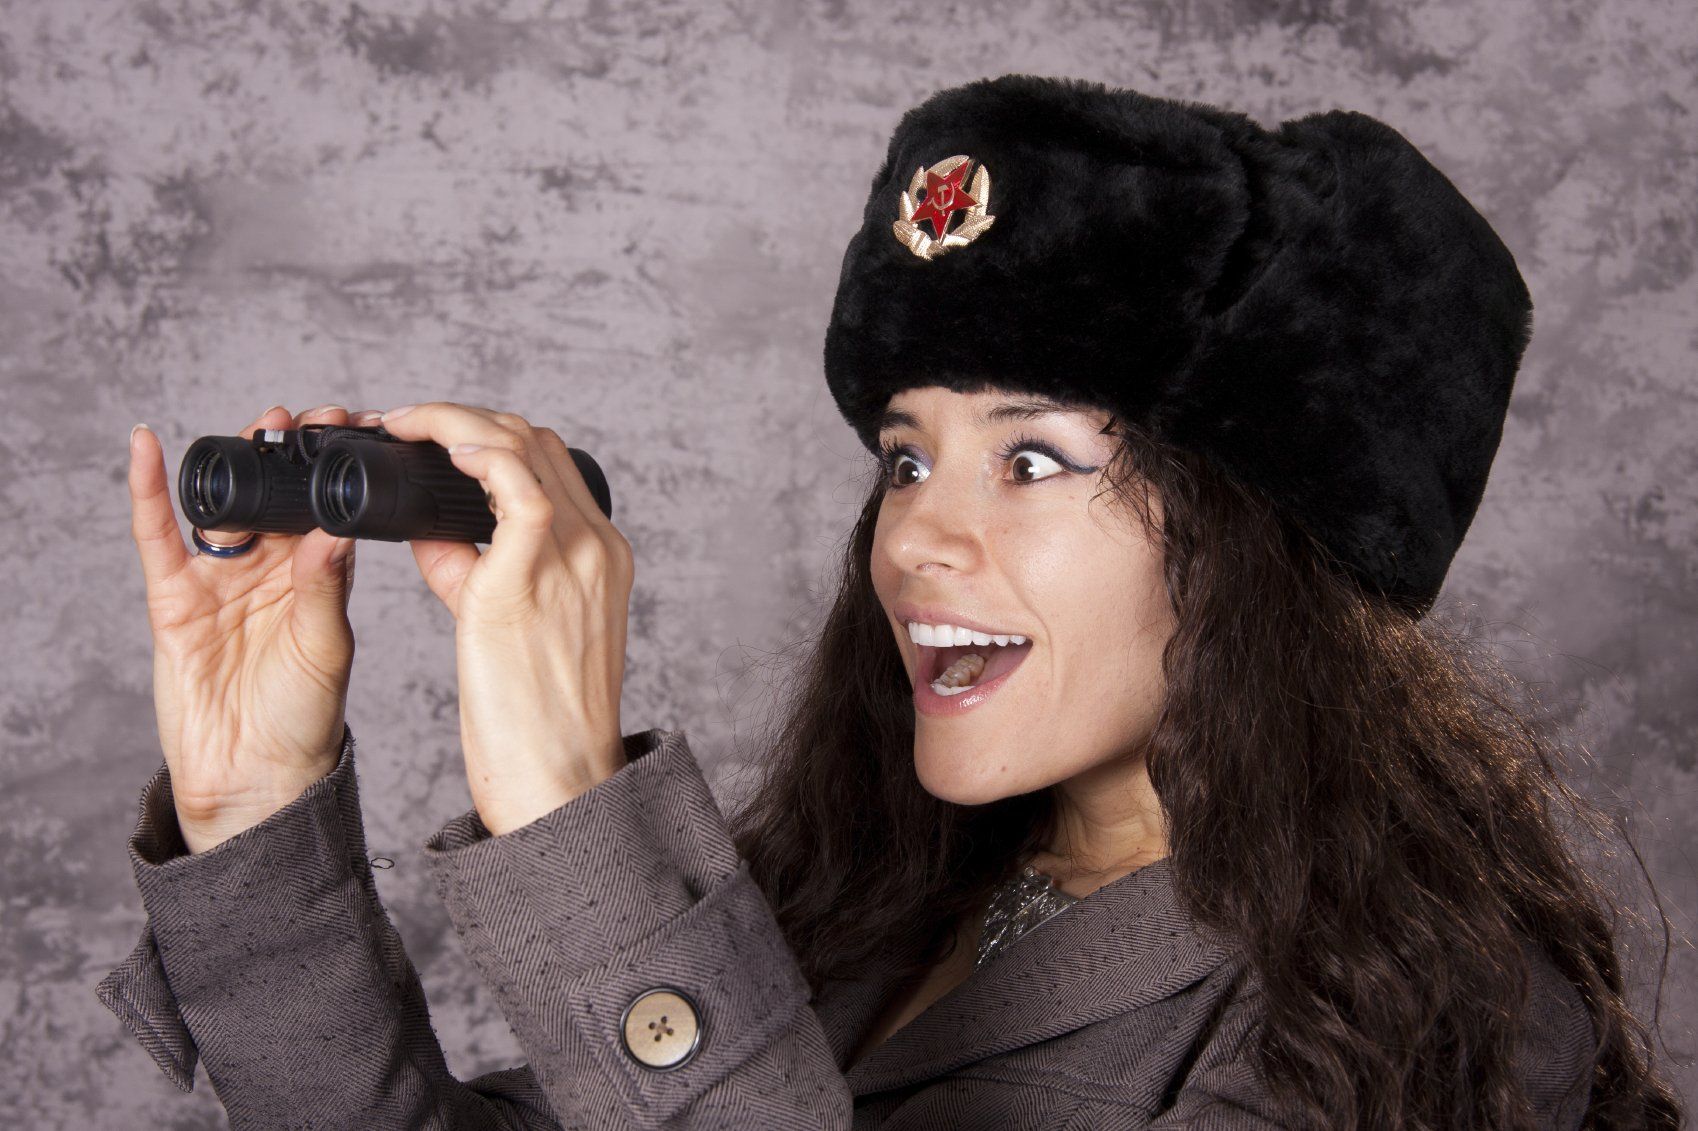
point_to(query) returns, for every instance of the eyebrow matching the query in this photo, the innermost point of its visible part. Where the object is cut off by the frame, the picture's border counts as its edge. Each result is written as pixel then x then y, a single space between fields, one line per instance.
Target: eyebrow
pixel 1029 409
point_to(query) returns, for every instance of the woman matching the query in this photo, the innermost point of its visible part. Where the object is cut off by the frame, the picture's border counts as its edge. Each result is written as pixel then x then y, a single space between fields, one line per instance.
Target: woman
pixel 1187 419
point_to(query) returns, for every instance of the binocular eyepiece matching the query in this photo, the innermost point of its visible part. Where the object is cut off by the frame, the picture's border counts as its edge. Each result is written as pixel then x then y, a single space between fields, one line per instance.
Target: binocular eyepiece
pixel 353 482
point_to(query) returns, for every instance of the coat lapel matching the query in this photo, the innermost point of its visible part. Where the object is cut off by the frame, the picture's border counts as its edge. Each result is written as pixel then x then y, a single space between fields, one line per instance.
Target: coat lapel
pixel 848 1008
pixel 1127 944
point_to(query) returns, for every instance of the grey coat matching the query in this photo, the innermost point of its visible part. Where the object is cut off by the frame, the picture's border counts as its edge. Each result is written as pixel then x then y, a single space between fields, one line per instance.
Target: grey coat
pixel 270 958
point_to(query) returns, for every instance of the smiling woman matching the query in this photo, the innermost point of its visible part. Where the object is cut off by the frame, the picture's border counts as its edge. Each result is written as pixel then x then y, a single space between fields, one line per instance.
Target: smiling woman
pixel 1162 759
pixel 1167 425
pixel 989 520
pixel 1128 783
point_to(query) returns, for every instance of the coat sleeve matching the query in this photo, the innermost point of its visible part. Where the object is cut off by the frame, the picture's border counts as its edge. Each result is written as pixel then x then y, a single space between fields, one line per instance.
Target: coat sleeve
pixel 633 887
pixel 270 959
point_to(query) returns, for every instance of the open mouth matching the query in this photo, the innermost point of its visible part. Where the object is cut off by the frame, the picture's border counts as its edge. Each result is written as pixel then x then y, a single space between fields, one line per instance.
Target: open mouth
pixel 998 659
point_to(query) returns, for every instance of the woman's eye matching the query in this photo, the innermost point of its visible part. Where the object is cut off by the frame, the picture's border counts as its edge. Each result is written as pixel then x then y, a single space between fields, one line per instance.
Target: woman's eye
pixel 1026 462
pixel 895 462
pixel 1019 464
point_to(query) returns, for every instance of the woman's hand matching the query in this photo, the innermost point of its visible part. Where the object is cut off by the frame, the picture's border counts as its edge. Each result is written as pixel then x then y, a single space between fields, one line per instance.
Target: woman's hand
pixel 251 654
pixel 541 615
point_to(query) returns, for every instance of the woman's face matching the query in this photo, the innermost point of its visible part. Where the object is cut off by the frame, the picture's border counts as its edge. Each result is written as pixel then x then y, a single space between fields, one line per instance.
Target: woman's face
pixel 975 523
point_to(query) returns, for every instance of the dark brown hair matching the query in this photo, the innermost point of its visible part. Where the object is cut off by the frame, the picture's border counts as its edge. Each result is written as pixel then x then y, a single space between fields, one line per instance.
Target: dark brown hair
pixel 1441 854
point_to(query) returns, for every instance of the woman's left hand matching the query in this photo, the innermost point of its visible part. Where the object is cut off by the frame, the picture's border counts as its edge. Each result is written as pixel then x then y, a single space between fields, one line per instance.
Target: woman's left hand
pixel 541 615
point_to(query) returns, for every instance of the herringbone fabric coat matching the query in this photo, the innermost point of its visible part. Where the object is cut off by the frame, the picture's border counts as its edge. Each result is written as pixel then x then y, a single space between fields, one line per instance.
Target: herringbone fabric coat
pixel 270 958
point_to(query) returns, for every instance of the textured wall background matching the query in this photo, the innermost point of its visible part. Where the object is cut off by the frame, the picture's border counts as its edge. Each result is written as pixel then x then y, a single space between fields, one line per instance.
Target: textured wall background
pixel 626 221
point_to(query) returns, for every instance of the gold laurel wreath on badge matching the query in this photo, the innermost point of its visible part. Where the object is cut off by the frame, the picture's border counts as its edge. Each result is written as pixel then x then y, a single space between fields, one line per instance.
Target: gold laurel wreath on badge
pixel 977 216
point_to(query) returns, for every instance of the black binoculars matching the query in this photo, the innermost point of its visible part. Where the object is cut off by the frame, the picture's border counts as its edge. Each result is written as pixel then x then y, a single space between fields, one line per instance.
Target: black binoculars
pixel 353 482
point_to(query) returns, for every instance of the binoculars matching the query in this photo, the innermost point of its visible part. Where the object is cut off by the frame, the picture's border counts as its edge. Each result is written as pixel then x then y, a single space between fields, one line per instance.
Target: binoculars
pixel 353 482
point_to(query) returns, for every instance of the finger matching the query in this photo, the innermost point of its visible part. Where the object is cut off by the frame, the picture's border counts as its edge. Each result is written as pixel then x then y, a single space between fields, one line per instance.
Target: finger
pixel 227 538
pixel 274 417
pixel 445 423
pixel 565 468
pixel 546 473
pixel 153 524
pixel 449 424
pixel 547 476
pixel 535 457
pixel 445 565
pixel 524 513
pixel 322 576
pixel 323 414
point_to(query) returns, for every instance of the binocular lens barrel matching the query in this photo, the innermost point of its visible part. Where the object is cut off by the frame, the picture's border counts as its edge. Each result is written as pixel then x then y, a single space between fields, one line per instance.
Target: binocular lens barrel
pixel 212 482
pixel 344 487
pixel 352 482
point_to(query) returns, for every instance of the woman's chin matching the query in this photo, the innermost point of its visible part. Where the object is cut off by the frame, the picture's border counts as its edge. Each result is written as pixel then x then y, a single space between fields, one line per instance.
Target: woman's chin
pixel 972 779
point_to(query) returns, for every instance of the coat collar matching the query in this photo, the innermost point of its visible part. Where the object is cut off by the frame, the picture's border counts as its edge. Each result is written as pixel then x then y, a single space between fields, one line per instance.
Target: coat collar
pixel 1125 945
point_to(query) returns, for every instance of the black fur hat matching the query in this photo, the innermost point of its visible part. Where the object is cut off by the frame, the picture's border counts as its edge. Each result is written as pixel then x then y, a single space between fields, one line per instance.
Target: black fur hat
pixel 1314 307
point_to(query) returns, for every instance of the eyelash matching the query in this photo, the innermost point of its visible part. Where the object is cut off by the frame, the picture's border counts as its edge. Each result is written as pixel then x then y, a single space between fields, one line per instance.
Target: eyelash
pixel 890 451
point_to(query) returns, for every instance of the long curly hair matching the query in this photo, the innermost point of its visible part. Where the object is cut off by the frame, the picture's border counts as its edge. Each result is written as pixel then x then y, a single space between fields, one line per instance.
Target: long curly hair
pixel 1393 893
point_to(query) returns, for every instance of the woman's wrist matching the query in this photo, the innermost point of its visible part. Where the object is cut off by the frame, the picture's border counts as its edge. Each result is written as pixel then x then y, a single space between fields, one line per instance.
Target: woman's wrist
pixel 207 826
pixel 506 800
pixel 203 833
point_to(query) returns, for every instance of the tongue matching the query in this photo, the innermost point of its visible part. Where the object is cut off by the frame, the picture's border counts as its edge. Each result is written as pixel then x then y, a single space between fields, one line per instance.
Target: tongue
pixel 998 659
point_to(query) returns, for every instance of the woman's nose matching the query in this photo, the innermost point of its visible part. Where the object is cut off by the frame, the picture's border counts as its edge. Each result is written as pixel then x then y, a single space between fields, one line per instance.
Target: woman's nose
pixel 945 524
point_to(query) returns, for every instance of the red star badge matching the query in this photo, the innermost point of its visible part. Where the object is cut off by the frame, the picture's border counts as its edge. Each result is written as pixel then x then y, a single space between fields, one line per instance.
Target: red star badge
pixel 944 195
pixel 943 186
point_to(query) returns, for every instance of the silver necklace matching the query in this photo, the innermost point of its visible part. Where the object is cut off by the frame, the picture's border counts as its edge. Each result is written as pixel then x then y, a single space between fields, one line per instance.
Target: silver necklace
pixel 1017 907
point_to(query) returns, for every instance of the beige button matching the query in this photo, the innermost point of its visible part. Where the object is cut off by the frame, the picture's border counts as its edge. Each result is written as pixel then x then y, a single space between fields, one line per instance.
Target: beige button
pixel 661 1028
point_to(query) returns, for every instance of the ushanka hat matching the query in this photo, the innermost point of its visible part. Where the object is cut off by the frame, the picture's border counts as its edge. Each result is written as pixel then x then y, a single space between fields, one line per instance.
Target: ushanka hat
pixel 1315 307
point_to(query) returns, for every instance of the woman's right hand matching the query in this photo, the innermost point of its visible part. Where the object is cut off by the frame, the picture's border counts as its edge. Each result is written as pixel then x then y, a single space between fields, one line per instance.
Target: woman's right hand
pixel 251 654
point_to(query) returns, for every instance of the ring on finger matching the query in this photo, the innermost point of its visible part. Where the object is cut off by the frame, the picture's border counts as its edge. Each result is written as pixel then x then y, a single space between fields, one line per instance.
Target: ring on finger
pixel 218 550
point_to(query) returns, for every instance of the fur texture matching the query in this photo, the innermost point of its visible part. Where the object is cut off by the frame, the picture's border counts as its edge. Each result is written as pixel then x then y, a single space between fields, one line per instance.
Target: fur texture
pixel 1316 307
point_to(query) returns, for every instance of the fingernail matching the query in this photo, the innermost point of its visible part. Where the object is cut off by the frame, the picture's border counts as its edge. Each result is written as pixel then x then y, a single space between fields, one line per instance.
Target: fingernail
pixel 344 547
pixel 394 412
pixel 366 414
pixel 322 409
pixel 461 449
pixel 133 431
pixel 271 410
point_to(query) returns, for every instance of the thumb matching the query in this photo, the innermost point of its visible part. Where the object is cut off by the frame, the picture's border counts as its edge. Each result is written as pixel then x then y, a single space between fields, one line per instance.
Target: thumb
pixel 322 583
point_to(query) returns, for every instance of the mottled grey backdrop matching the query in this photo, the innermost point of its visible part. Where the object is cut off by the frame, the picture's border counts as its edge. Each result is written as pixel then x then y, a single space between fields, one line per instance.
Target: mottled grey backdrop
pixel 625 221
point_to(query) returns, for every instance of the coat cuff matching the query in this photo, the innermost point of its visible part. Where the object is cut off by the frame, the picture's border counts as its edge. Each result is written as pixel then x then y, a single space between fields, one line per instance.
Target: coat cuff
pixel 152 1004
pixel 140 994
pixel 631 886
pixel 611 866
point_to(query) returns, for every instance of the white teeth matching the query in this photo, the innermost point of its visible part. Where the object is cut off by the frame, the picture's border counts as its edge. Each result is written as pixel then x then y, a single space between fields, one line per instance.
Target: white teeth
pixel 953 636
